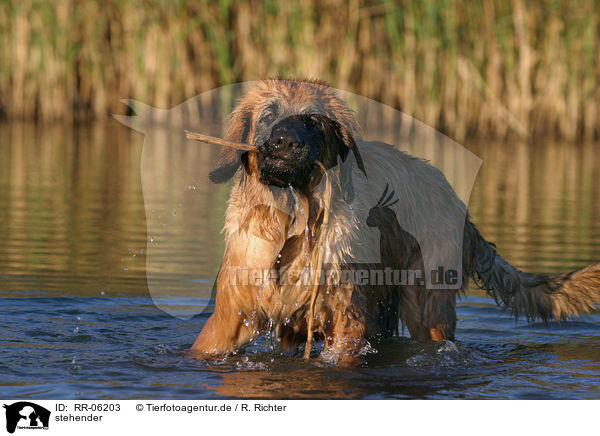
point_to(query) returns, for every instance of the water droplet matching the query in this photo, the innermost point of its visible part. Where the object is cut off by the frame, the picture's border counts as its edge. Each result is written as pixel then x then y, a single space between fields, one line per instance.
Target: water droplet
pixel 141 251
pixel 102 292
pixel 174 213
pixel 134 255
pixel 246 322
pixel 78 318
pixel 239 312
pixel 76 330
pixel 126 268
pixel 180 204
pixel 151 239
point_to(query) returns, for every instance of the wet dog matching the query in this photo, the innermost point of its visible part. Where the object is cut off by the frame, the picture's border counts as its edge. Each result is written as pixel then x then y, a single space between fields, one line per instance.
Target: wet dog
pixel 396 211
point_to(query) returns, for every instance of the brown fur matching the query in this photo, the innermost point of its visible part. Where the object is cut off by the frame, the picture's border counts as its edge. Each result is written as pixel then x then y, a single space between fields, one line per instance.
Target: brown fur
pixel 264 230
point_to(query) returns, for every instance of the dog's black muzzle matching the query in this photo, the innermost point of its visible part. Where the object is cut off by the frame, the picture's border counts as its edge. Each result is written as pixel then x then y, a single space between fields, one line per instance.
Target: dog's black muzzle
pixel 287 156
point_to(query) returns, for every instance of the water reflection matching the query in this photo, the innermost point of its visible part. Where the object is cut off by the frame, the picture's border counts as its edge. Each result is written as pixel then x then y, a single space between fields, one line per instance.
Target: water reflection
pixel 72 209
pixel 540 203
pixel 289 380
pixel 72 213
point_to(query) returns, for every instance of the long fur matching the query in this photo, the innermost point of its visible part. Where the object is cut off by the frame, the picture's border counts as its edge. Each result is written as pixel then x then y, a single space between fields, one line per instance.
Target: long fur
pixel 535 296
pixel 274 229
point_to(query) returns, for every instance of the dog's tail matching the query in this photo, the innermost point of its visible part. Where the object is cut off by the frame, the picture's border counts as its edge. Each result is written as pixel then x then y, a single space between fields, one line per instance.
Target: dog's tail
pixel 533 295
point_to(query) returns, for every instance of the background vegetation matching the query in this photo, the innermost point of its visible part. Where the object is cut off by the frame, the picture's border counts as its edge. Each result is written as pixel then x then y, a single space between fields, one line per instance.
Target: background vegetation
pixel 484 68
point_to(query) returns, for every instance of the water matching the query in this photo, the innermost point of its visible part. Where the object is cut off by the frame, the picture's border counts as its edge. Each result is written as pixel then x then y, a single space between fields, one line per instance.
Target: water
pixel 77 320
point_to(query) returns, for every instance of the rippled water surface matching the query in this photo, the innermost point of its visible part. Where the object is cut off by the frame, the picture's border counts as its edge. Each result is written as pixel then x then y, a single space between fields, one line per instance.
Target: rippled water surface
pixel 78 321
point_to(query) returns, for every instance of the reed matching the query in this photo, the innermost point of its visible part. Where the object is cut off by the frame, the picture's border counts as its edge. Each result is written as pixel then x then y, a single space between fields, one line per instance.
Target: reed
pixel 469 68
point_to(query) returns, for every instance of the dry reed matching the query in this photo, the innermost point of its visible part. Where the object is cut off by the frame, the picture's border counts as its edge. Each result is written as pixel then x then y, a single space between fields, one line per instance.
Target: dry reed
pixel 484 68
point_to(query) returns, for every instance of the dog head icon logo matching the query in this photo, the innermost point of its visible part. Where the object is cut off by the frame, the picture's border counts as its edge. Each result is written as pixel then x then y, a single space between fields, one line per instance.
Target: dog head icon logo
pixel 25 414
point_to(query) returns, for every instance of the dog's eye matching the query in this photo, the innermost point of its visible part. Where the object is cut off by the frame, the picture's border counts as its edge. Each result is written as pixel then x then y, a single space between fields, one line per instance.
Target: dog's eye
pixel 267 117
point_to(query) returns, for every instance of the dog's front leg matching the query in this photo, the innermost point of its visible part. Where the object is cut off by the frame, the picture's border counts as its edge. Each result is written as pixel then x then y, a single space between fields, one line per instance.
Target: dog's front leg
pixel 221 336
pixel 245 283
pixel 345 339
pixel 232 325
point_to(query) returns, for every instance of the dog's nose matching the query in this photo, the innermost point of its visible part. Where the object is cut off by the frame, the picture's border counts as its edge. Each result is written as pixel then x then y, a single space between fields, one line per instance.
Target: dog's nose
pixel 283 140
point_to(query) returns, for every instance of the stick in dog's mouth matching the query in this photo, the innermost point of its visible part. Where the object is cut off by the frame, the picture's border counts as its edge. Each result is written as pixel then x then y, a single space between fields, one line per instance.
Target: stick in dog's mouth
pixel 219 141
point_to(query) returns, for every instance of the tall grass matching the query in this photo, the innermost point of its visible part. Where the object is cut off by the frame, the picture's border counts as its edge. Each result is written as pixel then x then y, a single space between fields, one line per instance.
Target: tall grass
pixel 477 67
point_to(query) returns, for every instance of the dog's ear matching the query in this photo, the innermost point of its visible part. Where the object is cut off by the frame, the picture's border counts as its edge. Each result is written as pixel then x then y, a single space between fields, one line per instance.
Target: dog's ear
pixel 339 141
pixel 227 165
pixel 230 159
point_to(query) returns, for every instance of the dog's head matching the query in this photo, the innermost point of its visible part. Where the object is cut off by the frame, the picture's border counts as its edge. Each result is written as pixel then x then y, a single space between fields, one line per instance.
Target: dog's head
pixel 293 124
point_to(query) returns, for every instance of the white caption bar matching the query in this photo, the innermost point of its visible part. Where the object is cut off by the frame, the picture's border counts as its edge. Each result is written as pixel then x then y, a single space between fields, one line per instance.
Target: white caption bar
pixel 166 417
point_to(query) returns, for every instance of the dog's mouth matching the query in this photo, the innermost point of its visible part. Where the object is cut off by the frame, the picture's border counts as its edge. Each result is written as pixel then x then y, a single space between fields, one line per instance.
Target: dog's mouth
pixel 282 172
pixel 287 155
pixel 273 171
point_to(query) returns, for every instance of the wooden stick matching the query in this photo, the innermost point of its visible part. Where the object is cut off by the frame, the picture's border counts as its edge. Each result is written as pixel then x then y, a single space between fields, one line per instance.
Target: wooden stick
pixel 318 262
pixel 219 141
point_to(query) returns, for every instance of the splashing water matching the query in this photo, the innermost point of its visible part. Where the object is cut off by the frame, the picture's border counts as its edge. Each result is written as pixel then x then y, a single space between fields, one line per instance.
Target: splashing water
pixel 270 336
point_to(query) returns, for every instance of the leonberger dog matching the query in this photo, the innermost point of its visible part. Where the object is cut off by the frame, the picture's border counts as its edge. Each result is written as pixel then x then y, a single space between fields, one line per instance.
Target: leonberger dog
pixel 309 199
